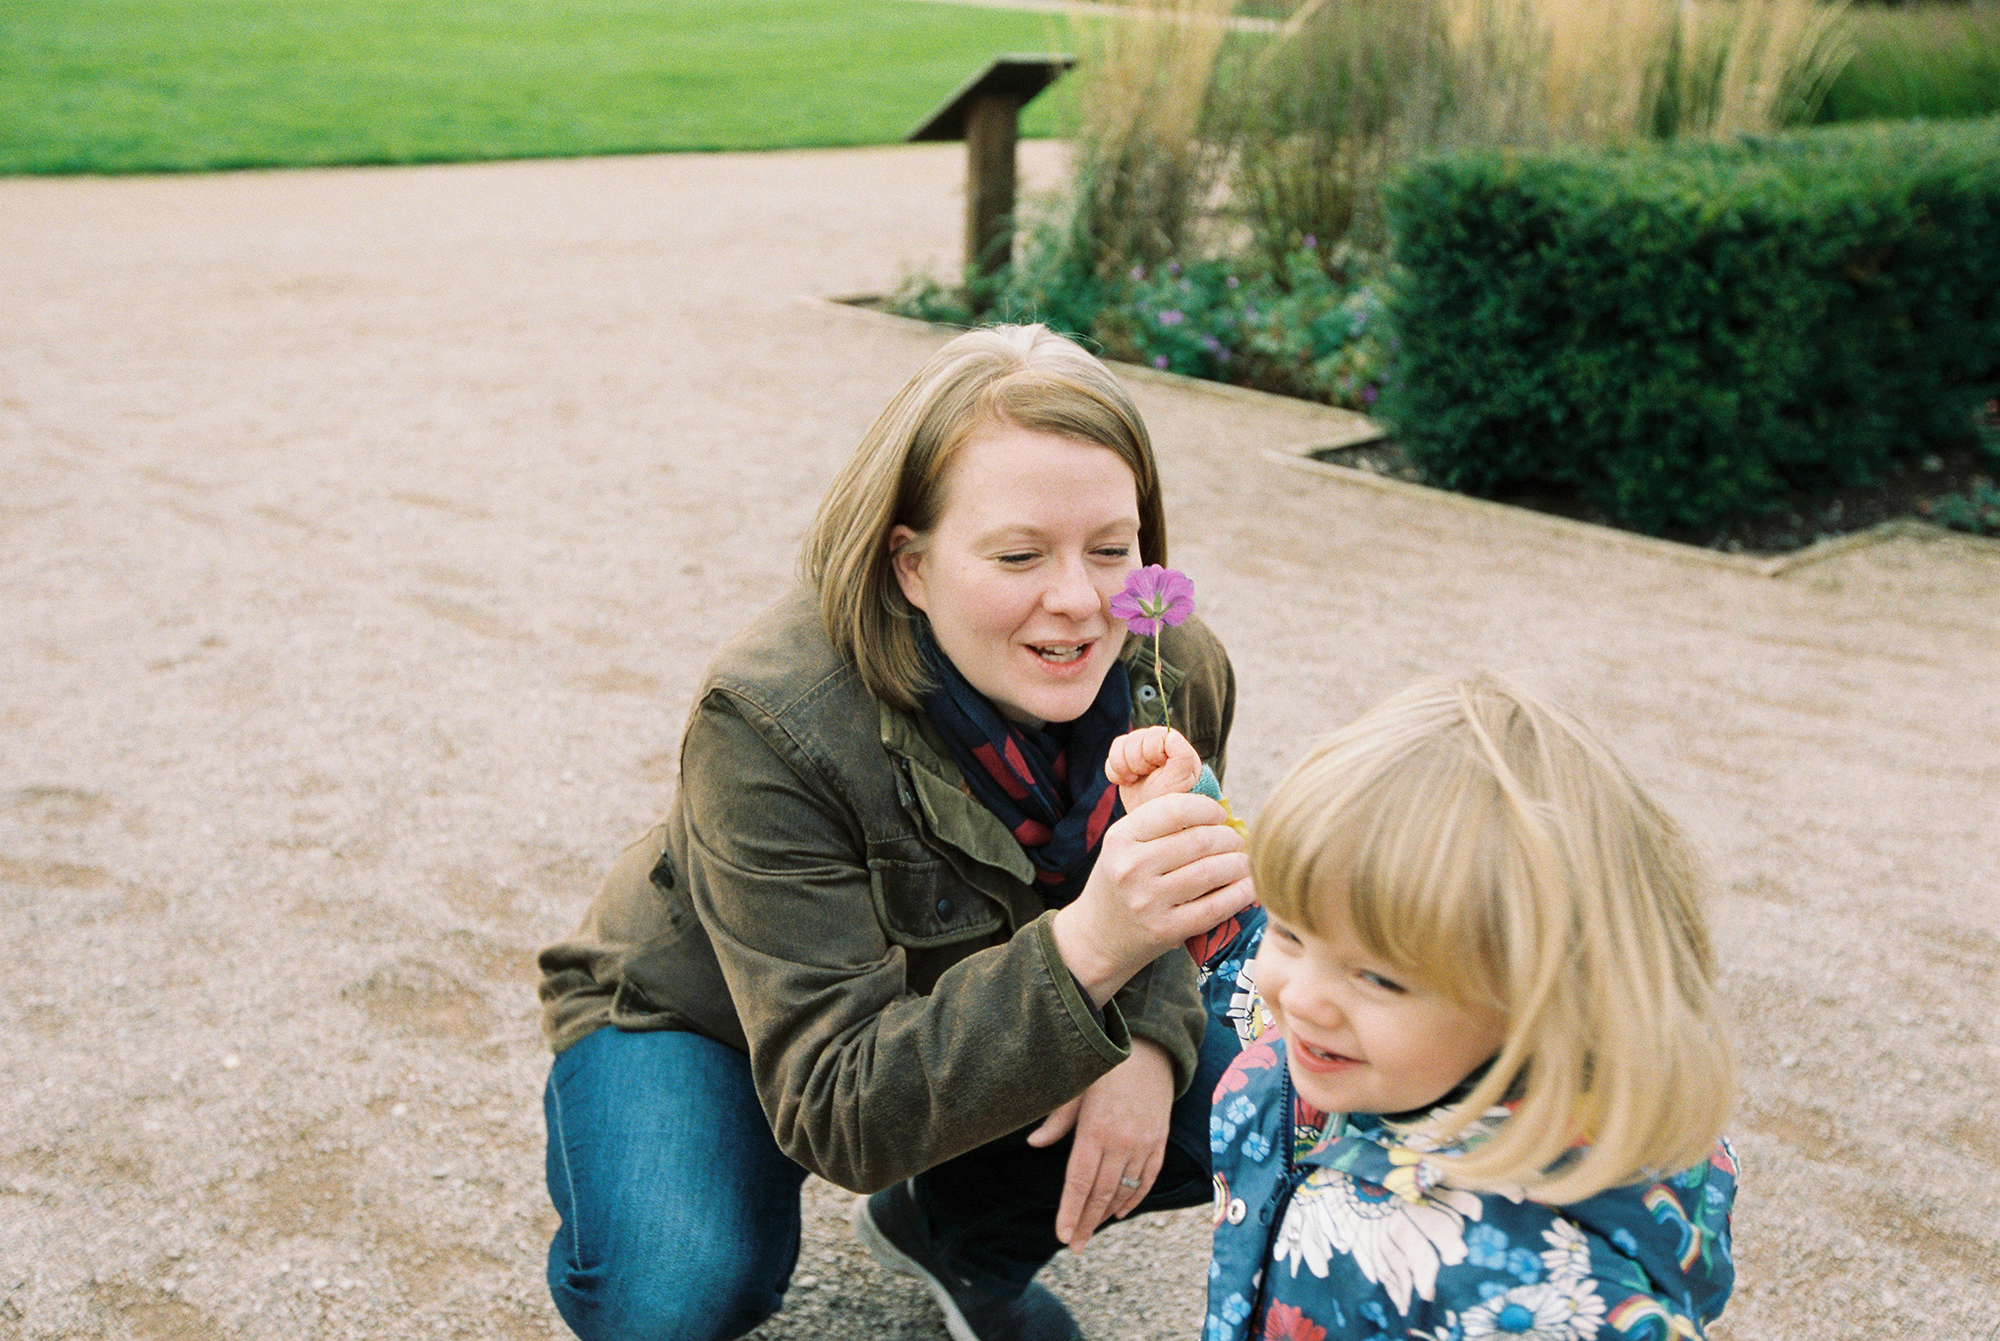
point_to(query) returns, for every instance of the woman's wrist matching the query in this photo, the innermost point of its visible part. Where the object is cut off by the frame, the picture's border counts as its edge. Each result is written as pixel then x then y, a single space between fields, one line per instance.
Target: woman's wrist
pixel 1098 974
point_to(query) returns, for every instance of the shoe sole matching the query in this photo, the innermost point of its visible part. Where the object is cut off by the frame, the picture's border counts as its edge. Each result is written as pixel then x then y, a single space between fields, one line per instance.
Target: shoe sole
pixel 892 1257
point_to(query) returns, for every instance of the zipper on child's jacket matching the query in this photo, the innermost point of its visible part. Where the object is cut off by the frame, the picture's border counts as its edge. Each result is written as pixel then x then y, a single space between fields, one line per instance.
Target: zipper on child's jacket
pixel 1273 1212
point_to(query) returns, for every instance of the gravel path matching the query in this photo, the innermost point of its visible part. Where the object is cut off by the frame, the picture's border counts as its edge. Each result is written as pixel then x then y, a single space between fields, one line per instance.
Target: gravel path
pixel 362 533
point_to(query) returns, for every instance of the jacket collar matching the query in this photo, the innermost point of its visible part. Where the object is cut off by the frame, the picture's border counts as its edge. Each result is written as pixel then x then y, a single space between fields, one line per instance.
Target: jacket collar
pixel 949 809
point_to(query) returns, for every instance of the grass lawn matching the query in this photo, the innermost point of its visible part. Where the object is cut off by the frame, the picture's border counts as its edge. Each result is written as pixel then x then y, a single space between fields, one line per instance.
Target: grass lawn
pixel 150 85
pixel 1929 60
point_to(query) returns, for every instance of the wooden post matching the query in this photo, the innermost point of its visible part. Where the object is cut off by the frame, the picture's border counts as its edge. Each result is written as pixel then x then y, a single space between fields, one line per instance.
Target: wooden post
pixel 992 124
pixel 985 112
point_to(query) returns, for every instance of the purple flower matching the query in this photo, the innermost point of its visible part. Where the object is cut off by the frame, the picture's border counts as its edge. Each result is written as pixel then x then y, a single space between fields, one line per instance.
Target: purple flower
pixel 1138 273
pixel 1368 395
pixel 1311 243
pixel 1154 597
pixel 1172 317
pixel 1160 362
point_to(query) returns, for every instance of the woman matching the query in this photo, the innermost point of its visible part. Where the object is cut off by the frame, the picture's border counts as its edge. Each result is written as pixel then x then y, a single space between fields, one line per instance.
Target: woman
pixel 893 931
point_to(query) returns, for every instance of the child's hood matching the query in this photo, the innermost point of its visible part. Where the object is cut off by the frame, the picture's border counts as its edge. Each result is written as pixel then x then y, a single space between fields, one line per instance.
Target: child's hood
pixel 1675 1232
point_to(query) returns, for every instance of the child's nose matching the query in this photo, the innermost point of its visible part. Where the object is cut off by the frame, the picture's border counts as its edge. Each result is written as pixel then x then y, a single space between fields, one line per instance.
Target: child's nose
pixel 1305 999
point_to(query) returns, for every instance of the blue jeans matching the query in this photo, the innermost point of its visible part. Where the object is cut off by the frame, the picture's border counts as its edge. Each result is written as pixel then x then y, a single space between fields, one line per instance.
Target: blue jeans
pixel 680 1216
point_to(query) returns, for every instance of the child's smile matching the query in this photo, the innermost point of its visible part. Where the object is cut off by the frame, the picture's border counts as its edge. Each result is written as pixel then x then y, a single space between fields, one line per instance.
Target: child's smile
pixel 1359 1038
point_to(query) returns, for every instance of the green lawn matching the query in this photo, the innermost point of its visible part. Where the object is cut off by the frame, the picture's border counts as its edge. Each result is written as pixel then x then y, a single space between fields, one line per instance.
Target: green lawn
pixel 1929 60
pixel 149 85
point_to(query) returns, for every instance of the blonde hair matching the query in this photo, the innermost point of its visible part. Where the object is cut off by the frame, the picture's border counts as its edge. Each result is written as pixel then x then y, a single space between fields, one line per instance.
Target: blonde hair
pixel 1491 848
pixel 1020 376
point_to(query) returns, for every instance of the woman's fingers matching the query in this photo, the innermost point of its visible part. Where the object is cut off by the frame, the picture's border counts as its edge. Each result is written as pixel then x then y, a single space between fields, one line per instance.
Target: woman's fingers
pixel 1170 814
pixel 1208 910
pixel 1121 1135
pixel 1171 852
pixel 1056 1125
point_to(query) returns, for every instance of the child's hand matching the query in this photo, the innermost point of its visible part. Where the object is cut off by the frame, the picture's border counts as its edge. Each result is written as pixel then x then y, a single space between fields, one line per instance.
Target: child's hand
pixel 1153 761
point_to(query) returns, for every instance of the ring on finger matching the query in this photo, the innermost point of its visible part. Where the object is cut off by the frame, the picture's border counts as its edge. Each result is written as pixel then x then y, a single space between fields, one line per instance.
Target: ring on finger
pixel 1132 1183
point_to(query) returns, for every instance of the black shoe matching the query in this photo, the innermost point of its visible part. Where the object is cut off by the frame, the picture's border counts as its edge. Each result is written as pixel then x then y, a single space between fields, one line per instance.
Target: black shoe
pixel 894 1230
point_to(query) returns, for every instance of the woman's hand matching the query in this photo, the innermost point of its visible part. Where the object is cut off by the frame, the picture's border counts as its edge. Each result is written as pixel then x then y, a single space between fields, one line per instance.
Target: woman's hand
pixel 1121 1140
pixel 1152 761
pixel 1171 869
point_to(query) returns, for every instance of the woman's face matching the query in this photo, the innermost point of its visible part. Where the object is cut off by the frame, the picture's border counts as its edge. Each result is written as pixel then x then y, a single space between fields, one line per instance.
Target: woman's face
pixel 1036 537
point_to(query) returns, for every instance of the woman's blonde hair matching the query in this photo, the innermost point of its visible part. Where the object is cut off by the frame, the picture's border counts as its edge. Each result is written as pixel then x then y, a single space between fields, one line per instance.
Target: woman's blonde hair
pixel 1490 847
pixel 1019 376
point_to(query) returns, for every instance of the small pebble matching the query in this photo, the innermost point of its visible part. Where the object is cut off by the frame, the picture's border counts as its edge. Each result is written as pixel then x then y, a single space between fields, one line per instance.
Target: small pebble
pixel 1790 1059
pixel 231 1062
pixel 806 1282
pixel 399 1110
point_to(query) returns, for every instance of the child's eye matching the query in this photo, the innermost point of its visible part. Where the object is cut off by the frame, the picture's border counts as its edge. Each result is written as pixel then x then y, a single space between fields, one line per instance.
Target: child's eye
pixel 1377 980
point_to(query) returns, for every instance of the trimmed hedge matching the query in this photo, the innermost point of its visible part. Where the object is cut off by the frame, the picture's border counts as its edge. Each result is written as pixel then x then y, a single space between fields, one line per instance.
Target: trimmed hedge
pixel 1680 334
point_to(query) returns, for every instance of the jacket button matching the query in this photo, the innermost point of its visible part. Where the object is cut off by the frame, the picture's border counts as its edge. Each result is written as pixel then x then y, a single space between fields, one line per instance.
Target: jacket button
pixel 1237 1210
pixel 944 909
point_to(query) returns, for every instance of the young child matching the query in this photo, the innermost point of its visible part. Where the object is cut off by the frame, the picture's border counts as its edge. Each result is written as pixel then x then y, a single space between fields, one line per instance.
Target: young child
pixel 1490 1100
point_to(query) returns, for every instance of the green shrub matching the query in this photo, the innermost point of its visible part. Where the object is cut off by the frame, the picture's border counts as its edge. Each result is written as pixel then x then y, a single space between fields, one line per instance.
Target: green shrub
pixel 1680 334
pixel 1301 326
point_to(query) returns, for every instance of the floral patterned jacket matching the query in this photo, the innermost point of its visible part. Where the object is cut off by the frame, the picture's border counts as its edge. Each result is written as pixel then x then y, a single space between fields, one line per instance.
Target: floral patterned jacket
pixel 1330 1229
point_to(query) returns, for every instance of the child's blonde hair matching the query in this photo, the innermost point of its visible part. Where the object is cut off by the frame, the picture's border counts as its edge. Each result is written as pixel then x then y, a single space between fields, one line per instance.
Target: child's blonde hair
pixel 1490 847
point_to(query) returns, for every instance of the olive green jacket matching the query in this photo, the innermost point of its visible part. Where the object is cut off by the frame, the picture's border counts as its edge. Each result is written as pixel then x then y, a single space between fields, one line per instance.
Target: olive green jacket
pixel 827 897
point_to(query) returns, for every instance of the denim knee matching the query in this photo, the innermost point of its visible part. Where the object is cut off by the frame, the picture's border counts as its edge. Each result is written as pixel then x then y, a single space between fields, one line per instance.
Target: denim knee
pixel 708 1292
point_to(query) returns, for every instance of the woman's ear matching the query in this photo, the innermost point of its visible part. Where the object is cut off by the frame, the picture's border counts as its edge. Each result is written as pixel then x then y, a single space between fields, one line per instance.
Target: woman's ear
pixel 906 557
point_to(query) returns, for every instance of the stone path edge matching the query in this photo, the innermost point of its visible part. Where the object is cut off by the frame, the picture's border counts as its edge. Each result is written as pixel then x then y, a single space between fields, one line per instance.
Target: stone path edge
pixel 1349 429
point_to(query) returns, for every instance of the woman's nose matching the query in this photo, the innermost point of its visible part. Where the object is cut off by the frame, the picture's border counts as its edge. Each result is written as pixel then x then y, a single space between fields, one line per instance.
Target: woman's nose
pixel 1071 593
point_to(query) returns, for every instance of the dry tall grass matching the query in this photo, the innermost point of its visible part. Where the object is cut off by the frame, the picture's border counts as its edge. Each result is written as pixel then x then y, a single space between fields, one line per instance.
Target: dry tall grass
pixel 1313 120
pixel 1145 163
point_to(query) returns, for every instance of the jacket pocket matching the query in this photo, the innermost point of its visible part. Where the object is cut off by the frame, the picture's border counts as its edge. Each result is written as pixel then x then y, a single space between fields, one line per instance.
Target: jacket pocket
pixel 923 903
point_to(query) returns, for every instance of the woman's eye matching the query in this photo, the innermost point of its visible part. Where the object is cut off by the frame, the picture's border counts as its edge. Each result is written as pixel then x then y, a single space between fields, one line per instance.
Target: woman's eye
pixel 1115 552
pixel 1017 558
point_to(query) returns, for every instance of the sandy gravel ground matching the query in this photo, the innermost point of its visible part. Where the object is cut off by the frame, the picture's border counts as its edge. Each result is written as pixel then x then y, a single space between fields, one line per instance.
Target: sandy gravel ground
pixel 362 533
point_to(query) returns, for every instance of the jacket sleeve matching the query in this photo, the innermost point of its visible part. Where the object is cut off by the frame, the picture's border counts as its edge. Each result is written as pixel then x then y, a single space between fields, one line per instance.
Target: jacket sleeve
pixel 864 1081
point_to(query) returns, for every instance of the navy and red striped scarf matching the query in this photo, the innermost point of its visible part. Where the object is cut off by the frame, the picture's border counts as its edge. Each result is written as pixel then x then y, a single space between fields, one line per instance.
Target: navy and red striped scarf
pixel 1046 785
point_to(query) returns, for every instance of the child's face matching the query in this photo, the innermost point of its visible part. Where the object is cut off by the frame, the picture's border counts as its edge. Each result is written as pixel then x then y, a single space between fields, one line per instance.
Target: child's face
pixel 1359 1037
